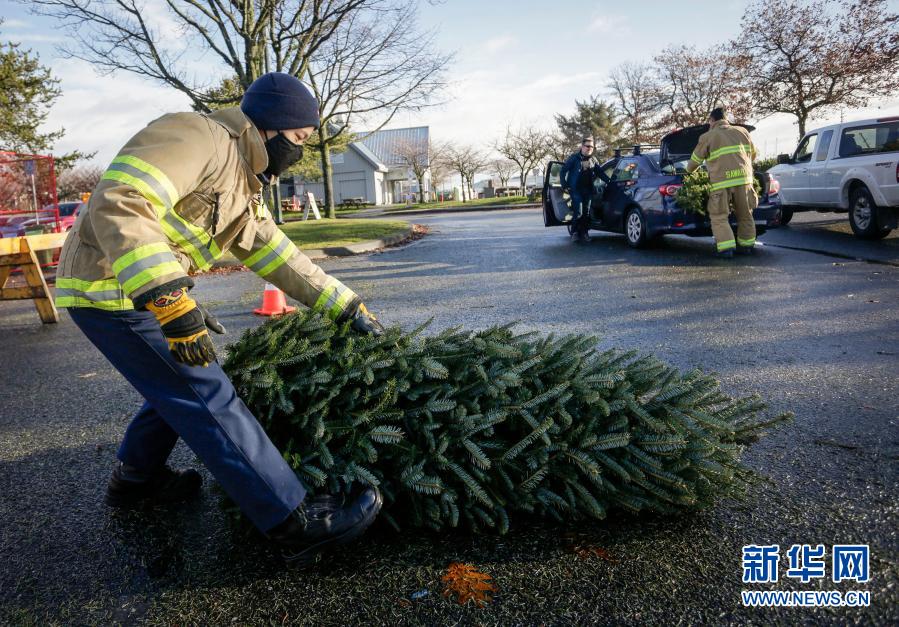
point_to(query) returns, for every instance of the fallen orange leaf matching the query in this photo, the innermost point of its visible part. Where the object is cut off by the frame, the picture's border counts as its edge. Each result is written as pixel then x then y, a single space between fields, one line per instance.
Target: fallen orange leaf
pixel 468 584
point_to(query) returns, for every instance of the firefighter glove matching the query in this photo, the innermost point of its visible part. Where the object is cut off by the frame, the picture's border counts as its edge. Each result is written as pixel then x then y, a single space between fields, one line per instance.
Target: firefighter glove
pixel 212 323
pixel 364 322
pixel 184 325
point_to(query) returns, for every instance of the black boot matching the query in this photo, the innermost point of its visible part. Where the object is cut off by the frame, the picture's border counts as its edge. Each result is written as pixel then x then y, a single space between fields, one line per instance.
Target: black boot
pixel 129 487
pixel 323 522
pixel 745 250
pixel 725 254
pixel 584 228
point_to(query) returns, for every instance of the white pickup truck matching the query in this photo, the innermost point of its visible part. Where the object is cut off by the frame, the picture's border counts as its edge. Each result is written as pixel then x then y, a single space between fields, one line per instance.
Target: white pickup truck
pixel 853 166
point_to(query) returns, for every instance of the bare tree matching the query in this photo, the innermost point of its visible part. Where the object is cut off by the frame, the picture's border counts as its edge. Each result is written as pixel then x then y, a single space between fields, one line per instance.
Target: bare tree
pixel 806 58
pixel 247 38
pixel 558 148
pixel 503 168
pixel 467 161
pixel 440 166
pixel 696 81
pixel 415 156
pixel 640 99
pixel 377 64
pixel 526 147
pixel 73 182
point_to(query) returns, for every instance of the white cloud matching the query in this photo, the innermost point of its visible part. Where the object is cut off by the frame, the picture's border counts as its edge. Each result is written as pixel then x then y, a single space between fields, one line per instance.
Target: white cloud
pixel 554 81
pixel 498 43
pixel 100 113
pixel 14 23
pixel 608 24
pixel 34 38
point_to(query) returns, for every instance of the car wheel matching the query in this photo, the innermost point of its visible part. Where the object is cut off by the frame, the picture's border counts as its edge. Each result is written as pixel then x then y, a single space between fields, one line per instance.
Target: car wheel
pixel 635 228
pixel 785 216
pixel 863 215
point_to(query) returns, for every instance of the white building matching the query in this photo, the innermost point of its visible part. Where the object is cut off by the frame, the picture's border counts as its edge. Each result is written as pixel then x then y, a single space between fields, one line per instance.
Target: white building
pixel 371 169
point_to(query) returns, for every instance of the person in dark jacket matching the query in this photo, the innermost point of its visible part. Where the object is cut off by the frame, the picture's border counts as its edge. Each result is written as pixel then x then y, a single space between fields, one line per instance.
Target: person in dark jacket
pixel 578 177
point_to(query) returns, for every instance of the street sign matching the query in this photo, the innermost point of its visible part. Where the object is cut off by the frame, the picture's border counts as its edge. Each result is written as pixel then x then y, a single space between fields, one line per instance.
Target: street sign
pixel 29 167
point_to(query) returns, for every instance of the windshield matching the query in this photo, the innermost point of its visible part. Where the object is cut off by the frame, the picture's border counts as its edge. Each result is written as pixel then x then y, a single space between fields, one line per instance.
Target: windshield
pixel 68 208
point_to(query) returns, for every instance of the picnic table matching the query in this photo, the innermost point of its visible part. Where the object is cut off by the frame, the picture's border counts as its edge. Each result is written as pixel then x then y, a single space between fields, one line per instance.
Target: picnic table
pixel 355 201
pixel 20 252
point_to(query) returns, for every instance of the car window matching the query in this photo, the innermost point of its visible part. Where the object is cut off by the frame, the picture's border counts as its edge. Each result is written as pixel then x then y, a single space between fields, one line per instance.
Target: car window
pixel 627 170
pixel 870 139
pixel 824 146
pixel 806 148
pixel 609 168
pixel 67 208
pixel 555 180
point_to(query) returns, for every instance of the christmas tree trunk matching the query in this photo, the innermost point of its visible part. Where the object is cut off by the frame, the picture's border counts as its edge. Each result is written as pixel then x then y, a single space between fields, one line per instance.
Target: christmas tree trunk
pixel 475 427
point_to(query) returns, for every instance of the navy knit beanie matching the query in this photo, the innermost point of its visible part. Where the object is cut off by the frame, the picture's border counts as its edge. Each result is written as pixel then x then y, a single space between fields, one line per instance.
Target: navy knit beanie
pixel 278 101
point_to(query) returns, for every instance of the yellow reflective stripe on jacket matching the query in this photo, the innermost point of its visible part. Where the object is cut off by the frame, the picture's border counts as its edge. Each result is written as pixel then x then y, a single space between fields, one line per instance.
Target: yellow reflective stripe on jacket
pixel 334 299
pixel 696 158
pixel 729 150
pixel 105 294
pixel 143 188
pixel 271 256
pixel 147 179
pixel 151 174
pixel 143 264
pixel 196 242
pixel 732 182
pixel 155 186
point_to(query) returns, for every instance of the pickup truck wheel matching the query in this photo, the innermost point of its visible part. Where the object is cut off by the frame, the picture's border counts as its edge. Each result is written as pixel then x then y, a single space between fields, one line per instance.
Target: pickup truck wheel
pixel 785 216
pixel 863 215
pixel 635 229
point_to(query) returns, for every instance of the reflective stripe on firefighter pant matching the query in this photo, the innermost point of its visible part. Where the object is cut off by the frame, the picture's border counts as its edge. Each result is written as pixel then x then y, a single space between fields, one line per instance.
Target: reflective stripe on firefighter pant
pixel 743 201
pixel 197 404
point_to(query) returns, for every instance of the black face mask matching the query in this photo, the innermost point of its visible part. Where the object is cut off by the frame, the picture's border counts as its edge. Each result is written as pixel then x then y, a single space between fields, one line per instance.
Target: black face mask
pixel 282 153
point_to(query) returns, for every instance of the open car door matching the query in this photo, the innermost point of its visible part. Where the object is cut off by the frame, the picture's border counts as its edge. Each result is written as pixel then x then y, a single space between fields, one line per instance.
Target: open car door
pixel 556 204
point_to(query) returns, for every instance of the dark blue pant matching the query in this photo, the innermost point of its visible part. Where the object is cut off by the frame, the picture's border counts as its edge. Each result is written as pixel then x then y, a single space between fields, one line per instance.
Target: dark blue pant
pixel 197 404
pixel 580 206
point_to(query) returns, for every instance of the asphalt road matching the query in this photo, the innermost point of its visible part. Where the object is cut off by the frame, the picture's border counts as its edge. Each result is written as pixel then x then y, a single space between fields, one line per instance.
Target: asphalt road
pixel 815 333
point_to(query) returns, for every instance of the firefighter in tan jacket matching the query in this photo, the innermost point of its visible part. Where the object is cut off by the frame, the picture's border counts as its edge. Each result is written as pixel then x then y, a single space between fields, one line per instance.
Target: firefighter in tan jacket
pixel 181 193
pixel 728 152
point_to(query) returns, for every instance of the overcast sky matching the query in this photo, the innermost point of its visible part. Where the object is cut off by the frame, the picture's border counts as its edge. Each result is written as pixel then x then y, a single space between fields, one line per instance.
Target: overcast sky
pixel 517 62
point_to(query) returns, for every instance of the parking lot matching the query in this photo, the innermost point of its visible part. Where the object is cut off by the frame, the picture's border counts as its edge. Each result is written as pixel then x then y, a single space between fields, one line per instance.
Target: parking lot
pixel 811 323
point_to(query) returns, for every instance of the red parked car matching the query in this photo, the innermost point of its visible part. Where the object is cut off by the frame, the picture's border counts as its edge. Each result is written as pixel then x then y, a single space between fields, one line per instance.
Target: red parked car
pixel 16 225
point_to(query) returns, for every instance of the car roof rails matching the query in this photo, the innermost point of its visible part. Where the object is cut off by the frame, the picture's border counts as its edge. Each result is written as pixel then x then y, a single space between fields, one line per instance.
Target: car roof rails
pixel 634 150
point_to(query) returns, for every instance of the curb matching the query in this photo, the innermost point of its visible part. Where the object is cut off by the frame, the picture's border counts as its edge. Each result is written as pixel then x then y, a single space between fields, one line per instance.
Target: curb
pixel 410 212
pixel 229 261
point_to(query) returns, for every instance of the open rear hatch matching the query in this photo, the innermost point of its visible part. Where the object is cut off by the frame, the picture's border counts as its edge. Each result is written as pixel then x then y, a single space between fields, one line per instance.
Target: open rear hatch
pixel 679 145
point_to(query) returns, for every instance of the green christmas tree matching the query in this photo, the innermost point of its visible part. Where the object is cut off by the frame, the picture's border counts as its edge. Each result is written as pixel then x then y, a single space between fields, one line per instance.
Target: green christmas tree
pixel 693 195
pixel 476 428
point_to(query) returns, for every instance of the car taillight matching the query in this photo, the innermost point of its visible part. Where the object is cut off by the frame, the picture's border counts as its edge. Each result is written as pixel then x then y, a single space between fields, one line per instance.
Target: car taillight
pixel 669 190
pixel 773 186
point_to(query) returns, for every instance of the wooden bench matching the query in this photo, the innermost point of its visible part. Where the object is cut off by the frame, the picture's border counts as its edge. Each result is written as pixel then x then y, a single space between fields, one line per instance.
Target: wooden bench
pixel 19 252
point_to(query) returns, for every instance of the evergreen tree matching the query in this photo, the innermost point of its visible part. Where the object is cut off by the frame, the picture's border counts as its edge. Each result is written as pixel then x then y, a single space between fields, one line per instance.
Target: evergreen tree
pixel 473 428
pixel 27 92
pixel 592 117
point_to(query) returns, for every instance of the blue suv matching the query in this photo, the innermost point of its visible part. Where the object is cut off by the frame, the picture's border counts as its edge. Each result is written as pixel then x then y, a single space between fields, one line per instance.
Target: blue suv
pixel 641 199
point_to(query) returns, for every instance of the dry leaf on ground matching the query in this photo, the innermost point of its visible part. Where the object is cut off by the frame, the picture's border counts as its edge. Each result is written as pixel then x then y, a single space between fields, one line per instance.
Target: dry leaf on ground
pixel 468 584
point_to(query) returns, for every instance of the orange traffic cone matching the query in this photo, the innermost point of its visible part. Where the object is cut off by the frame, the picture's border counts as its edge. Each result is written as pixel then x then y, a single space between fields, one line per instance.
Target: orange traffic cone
pixel 273 302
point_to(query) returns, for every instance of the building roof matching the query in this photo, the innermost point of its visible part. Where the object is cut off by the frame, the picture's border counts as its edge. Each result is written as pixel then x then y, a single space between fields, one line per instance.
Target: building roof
pixel 384 144
pixel 369 156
